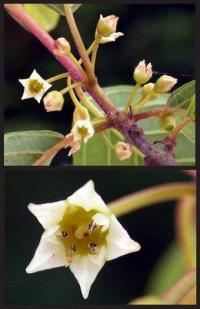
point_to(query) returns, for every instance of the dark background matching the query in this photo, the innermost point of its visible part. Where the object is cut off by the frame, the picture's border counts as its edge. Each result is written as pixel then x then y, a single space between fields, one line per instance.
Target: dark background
pixel 120 280
pixel 161 34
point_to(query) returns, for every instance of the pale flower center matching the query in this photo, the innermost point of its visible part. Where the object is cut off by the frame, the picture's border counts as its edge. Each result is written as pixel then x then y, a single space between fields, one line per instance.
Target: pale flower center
pixel 79 233
pixel 34 86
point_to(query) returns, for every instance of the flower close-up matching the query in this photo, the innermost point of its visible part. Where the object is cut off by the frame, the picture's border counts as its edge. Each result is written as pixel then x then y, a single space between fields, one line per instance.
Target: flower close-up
pixel 80 232
pixel 34 87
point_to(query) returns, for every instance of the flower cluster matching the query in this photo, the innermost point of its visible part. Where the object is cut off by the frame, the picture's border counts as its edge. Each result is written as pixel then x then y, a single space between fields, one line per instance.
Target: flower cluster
pixel 80 233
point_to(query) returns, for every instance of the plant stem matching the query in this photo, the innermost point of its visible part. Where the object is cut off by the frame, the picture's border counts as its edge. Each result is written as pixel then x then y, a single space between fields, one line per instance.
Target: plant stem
pixel 79 43
pixel 175 294
pixel 95 50
pixel 65 90
pixel 67 141
pixel 132 96
pixel 57 77
pixel 181 125
pixel 185 226
pixel 147 197
pixel 157 113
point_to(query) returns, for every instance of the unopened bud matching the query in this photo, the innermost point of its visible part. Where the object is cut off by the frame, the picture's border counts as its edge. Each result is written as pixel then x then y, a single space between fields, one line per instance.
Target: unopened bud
pixel 149 89
pixel 123 150
pixel 168 123
pixel 165 83
pixel 142 73
pixel 61 47
pixel 80 113
pixel 53 101
pixel 107 25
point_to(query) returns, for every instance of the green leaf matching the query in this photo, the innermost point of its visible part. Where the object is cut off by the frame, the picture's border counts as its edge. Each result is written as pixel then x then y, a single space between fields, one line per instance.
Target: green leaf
pixel 24 148
pixel 43 15
pixel 167 271
pixel 59 8
pixel 182 96
pixel 96 152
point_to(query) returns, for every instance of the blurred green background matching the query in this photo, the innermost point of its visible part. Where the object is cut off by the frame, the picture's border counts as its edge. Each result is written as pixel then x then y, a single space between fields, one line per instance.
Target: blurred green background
pixel 120 280
pixel 161 34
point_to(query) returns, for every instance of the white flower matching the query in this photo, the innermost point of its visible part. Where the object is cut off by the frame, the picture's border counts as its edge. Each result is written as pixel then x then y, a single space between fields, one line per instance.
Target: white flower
pixel 34 87
pixel 111 38
pixel 82 130
pixel 80 232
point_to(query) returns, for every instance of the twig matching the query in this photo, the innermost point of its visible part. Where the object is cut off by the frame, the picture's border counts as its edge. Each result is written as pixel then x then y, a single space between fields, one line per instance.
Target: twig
pixel 67 141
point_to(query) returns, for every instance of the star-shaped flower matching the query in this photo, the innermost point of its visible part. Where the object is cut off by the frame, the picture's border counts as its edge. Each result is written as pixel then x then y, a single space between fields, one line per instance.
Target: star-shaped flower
pixel 34 87
pixel 80 232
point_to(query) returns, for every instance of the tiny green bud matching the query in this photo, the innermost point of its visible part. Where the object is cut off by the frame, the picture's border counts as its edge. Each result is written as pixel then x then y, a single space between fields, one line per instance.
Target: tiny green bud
pixel 165 83
pixel 53 101
pixel 149 89
pixel 107 25
pixel 168 123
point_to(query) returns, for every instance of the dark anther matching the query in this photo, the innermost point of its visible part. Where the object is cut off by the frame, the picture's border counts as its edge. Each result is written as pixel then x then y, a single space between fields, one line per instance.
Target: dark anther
pixel 92 246
pixel 63 234
pixel 92 225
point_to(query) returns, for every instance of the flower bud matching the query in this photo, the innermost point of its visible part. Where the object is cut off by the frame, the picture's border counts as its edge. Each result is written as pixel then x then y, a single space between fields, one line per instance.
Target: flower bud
pixel 123 150
pixel 142 73
pixel 165 83
pixel 147 89
pixel 107 25
pixel 53 101
pixel 61 47
pixel 80 113
pixel 168 123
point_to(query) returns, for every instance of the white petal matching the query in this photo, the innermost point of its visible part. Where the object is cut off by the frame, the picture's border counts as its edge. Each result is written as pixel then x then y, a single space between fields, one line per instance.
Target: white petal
pixel 118 241
pixel 49 254
pixel 49 214
pixel 85 271
pixel 87 198
pixel 111 38
pixel 99 258
pixel 101 219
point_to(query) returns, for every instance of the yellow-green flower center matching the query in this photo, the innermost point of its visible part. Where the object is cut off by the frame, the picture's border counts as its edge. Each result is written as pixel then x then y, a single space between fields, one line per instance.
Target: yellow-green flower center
pixel 34 86
pixel 83 131
pixel 79 233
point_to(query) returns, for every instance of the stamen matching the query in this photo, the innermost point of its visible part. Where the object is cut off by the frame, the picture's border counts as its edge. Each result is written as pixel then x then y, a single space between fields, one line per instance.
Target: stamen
pixel 92 246
pixel 63 234
pixel 92 225
pixel 73 248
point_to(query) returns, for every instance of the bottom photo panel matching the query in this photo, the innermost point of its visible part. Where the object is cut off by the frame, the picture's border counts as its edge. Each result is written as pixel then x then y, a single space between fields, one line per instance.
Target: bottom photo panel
pixel 100 236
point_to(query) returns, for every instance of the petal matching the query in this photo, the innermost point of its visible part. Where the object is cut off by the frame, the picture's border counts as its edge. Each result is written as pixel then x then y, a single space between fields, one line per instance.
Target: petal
pixel 101 219
pixel 49 214
pixel 118 241
pixel 99 258
pixel 49 253
pixel 85 271
pixel 87 198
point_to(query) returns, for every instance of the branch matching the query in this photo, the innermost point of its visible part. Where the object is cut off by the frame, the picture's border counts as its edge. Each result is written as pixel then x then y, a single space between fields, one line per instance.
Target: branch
pixel 133 135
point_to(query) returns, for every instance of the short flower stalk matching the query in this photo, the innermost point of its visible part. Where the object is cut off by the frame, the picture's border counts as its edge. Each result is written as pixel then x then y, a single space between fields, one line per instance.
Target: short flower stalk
pixel 80 233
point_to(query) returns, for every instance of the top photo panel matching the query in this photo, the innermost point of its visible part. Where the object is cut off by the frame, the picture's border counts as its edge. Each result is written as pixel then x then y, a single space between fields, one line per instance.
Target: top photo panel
pixel 99 84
